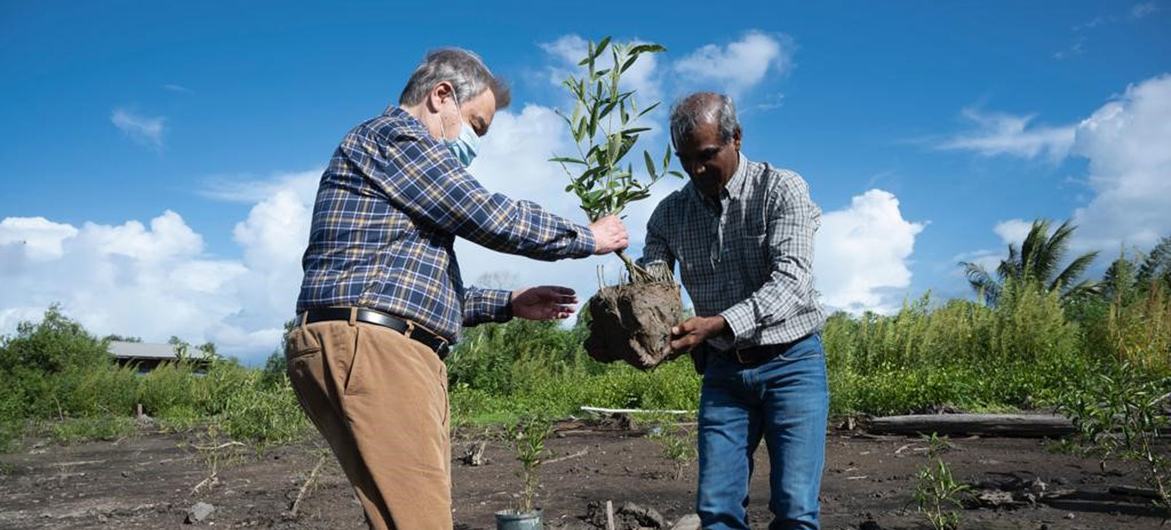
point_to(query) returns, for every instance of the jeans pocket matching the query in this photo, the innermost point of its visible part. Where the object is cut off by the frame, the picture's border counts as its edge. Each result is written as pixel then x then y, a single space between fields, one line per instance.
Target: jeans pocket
pixel 803 349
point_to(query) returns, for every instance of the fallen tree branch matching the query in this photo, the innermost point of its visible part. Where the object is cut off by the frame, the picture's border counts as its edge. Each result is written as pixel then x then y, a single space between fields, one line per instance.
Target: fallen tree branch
pixel 305 487
pixel 217 447
pixel 1017 425
pixel 1131 491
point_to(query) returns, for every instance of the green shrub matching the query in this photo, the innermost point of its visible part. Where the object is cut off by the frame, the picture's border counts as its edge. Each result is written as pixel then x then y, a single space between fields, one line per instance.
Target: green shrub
pixel 263 415
pixel 74 430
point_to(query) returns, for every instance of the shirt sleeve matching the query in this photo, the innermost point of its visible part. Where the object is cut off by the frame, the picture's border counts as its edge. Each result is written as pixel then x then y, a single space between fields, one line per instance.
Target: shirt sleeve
pixel 792 221
pixel 486 305
pixel 656 247
pixel 423 179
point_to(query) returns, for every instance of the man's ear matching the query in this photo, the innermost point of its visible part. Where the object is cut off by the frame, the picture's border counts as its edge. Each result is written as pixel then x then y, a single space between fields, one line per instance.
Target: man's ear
pixel 439 95
pixel 736 138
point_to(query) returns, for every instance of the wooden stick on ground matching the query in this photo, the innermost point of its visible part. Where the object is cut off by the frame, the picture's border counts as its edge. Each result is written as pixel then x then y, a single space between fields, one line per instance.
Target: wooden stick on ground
pixel 609 515
pixel 583 452
pixel 305 487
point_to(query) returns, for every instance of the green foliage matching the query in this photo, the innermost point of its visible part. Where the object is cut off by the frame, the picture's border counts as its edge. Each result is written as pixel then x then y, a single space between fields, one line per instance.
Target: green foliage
pixel 53 345
pixel 937 495
pixel 74 430
pixel 677 442
pixel 604 125
pixel 528 440
pixel 601 183
pixel 1120 414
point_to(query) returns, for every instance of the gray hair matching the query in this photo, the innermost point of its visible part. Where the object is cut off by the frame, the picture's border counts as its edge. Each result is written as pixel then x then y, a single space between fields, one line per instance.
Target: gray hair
pixel 704 107
pixel 463 69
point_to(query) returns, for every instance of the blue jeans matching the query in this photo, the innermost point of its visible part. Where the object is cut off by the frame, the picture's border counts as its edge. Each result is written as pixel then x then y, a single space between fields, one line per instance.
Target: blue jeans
pixel 785 400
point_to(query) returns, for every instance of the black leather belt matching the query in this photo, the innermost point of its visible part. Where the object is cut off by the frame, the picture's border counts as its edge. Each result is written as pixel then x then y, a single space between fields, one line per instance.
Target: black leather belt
pixel 370 316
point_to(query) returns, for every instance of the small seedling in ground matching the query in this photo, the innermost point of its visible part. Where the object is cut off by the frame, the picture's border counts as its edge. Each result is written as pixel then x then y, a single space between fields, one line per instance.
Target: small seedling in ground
pixel 937 495
pixel 528 439
pixel 215 455
pixel 678 444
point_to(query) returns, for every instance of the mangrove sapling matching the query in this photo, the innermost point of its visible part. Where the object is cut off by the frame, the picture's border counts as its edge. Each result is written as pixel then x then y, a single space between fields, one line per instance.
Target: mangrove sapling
pixel 528 439
pixel 630 321
pixel 1121 414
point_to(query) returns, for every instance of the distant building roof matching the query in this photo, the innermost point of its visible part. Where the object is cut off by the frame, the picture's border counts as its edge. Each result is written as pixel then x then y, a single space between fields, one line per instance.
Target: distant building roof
pixel 141 350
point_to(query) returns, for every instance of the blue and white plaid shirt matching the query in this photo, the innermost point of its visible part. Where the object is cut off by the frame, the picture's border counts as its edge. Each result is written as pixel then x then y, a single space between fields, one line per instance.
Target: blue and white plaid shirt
pixel 747 257
pixel 388 209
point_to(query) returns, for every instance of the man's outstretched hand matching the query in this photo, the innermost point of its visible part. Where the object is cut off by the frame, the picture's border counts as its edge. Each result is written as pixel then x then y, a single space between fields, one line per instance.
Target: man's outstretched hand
pixel 547 302
pixel 693 331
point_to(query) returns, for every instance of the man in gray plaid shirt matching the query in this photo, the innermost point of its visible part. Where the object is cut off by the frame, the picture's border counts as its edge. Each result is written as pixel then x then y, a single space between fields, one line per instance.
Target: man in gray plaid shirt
pixel 742 233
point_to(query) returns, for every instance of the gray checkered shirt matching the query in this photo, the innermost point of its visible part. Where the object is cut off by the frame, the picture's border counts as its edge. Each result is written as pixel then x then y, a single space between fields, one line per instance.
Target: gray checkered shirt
pixel 748 258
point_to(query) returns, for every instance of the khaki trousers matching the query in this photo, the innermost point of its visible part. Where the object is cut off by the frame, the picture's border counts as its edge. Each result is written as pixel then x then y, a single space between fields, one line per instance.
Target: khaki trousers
pixel 380 400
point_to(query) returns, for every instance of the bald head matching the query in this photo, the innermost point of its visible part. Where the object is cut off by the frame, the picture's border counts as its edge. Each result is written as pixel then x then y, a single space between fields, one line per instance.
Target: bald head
pixel 704 108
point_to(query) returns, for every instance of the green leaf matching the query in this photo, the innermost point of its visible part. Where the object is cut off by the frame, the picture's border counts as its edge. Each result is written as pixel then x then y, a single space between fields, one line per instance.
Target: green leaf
pixel 568 160
pixel 650 164
pixel 629 62
pixel 647 48
pixel 648 109
pixel 667 157
pixel 601 46
pixel 634 131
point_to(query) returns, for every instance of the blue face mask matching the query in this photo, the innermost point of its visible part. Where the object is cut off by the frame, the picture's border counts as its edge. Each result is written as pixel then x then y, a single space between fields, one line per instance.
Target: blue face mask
pixel 467 144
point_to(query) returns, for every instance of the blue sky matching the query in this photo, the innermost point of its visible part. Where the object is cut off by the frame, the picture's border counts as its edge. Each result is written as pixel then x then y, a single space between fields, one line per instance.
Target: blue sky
pixel 965 118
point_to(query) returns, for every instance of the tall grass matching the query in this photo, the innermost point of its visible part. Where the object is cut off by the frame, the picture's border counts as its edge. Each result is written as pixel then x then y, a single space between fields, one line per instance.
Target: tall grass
pixel 930 355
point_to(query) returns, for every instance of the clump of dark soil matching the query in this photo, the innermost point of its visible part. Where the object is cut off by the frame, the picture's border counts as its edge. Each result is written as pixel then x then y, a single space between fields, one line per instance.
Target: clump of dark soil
pixel 633 323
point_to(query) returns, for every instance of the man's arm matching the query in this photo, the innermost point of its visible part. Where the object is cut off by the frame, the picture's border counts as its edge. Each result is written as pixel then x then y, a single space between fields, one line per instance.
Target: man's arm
pixel 486 305
pixel 793 220
pixel 424 180
pixel 546 302
pixel 656 247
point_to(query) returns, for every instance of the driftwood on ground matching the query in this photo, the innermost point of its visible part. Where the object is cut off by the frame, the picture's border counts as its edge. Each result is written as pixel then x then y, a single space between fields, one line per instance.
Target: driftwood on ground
pixel 1015 425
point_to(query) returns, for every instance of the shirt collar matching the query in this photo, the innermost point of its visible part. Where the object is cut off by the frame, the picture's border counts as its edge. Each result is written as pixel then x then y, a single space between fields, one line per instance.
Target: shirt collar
pixel 735 185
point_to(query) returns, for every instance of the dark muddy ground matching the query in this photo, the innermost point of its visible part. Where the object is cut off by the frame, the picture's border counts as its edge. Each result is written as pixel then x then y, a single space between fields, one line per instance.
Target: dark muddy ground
pixel 147 481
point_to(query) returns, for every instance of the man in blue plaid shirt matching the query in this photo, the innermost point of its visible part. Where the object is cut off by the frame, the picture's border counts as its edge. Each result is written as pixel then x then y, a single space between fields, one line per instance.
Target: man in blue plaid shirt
pixel 382 298
pixel 742 234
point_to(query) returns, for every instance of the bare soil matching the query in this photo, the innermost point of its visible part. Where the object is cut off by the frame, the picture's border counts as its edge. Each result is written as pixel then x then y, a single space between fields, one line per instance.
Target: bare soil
pixel 146 481
pixel 633 323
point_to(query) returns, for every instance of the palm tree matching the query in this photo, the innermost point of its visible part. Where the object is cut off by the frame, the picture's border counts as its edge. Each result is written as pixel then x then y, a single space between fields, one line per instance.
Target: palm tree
pixel 1036 260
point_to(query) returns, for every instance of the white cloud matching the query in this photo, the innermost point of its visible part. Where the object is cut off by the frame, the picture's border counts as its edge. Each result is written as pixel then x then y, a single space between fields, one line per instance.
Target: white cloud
pixel 1126 142
pixel 739 65
pixel 40 237
pixel 862 253
pixel 155 280
pixel 1013 230
pixel 128 279
pixel 1007 134
pixel 142 129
